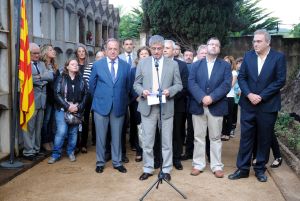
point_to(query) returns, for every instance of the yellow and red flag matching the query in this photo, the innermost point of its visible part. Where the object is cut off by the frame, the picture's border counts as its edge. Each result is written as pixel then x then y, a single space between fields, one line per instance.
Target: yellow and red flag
pixel 25 75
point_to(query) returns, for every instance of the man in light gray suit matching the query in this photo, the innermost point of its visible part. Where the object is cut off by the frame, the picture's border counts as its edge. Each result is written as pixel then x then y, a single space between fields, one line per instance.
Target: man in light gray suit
pixel 146 83
pixel 129 55
pixel 40 75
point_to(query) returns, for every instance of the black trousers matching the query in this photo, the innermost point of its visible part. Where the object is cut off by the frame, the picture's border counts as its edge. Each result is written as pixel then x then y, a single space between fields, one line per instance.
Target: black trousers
pixel 229 118
pixel 274 146
pixel 260 125
pixel 83 138
pixel 178 134
pixel 235 114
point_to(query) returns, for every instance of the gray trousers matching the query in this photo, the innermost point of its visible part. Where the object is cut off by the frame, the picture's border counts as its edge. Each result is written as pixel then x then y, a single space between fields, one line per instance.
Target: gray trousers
pixel 116 124
pixel 149 124
pixel 32 137
pixel 214 124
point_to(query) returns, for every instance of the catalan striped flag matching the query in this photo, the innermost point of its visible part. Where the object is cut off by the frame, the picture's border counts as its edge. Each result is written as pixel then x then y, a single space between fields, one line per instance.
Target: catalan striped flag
pixel 25 75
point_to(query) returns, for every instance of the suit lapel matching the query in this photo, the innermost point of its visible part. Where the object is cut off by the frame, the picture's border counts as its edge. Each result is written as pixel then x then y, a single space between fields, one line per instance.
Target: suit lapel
pixel 214 71
pixel 119 70
pixel 106 69
pixel 266 65
pixel 254 70
pixel 149 70
pixel 163 73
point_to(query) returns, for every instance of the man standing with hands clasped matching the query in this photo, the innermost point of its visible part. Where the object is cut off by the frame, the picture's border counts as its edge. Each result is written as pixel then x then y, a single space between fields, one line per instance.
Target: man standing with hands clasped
pixel 262 75
pixel 209 82
pixel 146 84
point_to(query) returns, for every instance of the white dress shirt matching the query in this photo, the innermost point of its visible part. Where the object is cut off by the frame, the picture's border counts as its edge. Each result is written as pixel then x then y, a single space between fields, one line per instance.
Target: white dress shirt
pixel 210 66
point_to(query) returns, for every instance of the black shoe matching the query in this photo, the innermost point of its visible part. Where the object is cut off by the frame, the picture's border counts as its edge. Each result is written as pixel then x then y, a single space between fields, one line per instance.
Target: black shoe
pixel 107 157
pixel 77 150
pixel 138 158
pixel 186 157
pixel 261 177
pixel 121 169
pixel 40 155
pixel 30 157
pixel 167 176
pixel 238 174
pixel 145 176
pixel 178 165
pixel 125 159
pixel 83 150
pixel 276 163
pixel 156 164
pixel 99 169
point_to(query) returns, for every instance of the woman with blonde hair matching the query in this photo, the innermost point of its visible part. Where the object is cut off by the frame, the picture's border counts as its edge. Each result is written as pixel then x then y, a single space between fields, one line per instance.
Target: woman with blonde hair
pixel 48 56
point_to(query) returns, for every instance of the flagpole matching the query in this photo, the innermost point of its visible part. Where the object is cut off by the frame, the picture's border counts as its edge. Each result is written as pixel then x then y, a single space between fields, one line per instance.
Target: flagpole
pixel 12 163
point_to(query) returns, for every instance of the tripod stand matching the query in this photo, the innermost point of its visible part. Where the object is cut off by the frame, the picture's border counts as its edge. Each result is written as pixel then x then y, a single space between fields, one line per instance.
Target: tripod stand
pixel 161 174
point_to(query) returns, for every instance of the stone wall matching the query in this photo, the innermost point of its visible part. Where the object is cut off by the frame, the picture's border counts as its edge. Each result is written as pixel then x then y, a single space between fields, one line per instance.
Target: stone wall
pixel 62 23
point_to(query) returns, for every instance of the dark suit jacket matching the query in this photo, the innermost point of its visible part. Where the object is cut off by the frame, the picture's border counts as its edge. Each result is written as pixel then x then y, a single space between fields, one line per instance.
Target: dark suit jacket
pixel 180 99
pixel 217 86
pixel 109 96
pixel 268 84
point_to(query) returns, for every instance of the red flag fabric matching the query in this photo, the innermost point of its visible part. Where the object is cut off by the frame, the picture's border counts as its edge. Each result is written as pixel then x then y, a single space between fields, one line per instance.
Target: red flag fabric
pixel 25 75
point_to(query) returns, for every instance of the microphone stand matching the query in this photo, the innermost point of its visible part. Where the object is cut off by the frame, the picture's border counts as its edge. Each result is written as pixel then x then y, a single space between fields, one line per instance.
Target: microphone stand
pixel 161 174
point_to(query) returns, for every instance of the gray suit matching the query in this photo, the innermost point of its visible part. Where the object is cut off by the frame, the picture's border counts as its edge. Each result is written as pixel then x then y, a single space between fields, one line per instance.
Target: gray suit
pixel 32 137
pixel 170 79
pixel 133 57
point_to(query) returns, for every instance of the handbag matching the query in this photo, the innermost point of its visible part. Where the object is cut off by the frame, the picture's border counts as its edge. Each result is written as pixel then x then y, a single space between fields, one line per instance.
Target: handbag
pixel 72 118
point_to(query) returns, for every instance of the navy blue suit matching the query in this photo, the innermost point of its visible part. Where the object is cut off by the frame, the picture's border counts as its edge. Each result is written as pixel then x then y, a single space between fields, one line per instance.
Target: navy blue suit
pixel 110 101
pixel 259 119
pixel 217 87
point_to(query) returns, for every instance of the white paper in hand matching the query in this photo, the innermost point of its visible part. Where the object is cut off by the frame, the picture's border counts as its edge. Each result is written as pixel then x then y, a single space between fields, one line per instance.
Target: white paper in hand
pixel 153 99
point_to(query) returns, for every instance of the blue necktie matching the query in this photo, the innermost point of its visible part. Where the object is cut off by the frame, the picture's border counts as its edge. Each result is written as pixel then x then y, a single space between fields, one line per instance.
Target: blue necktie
pixel 36 67
pixel 129 60
pixel 112 70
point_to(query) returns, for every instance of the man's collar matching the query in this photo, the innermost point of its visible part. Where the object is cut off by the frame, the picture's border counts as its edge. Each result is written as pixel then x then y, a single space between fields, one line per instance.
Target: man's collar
pixel 109 60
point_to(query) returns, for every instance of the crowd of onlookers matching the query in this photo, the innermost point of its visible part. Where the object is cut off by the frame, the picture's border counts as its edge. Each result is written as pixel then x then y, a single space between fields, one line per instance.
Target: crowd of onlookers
pixel 200 94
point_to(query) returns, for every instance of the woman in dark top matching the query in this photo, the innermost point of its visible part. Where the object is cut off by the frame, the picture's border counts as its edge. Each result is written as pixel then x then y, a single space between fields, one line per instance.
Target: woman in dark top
pixel 70 93
pixel 48 56
pixel 85 69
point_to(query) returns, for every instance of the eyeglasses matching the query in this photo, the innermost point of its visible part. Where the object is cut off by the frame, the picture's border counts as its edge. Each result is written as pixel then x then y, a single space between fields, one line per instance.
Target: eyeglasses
pixel 35 52
pixel 257 41
pixel 214 44
pixel 156 48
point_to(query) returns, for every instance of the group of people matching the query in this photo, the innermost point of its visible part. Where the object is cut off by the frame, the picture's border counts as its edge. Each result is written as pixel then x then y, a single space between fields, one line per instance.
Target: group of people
pixel 156 93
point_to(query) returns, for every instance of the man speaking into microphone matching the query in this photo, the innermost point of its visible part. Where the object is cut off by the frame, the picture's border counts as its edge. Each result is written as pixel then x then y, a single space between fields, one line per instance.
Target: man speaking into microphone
pixel 151 73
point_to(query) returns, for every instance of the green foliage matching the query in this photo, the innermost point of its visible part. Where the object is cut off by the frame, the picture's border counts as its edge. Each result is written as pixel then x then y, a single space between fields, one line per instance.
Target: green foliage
pixel 187 21
pixel 130 24
pixel 296 31
pixel 249 17
pixel 288 130
pixel 192 22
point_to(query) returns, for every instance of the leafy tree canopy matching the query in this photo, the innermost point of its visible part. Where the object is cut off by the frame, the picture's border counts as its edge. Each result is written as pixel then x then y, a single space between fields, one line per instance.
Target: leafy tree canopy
pixel 296 31
pixel 130 24
pixel 192 22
